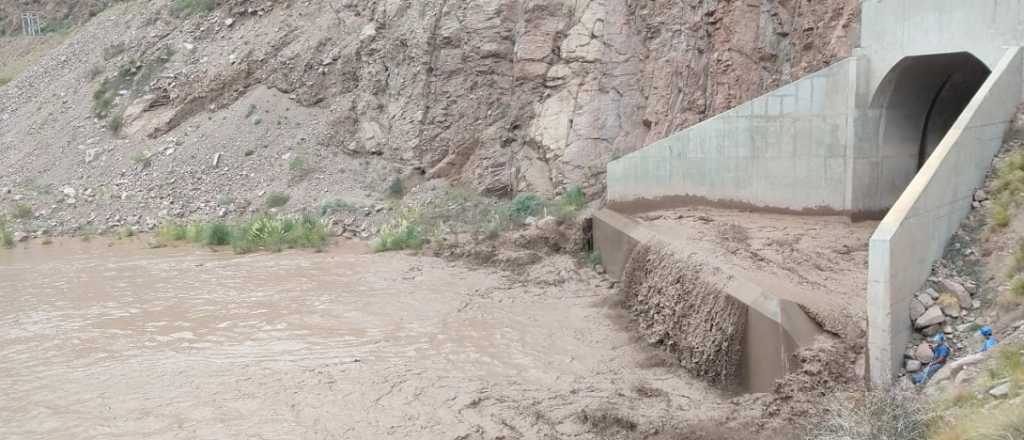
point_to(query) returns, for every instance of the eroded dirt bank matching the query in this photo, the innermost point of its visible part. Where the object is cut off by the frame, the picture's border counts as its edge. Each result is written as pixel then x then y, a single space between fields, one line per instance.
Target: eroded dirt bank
pixel 114 341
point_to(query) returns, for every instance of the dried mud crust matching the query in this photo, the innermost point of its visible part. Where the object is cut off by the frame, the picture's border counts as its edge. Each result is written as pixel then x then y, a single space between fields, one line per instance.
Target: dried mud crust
pixel 675 304
pixel 818 262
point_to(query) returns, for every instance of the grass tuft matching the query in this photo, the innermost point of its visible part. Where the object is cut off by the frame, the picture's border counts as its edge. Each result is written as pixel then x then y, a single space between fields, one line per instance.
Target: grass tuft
pixel 871 416
pixel 22 211
pixel 265 232
pixel 6 236
pixel 403 232
pixel 276 200
pixel 188 8
pixel 333 206
pixel 396 189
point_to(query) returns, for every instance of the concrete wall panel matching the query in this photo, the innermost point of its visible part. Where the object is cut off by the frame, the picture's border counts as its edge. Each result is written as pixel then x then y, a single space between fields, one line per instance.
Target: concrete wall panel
pixel 894 29
pixel 757 153
pixel 914 233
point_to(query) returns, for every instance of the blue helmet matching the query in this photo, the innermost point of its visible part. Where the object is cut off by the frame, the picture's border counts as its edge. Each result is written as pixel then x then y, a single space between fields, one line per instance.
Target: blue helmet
pixel 940 338
pixel 986 331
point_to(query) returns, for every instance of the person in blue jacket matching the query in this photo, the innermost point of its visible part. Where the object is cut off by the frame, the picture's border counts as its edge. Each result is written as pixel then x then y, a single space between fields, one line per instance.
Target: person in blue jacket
pixel 990 341
pixel 940 354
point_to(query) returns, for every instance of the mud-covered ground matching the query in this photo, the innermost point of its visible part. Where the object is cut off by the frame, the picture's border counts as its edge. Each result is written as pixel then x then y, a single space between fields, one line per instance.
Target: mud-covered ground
pixel 820 263
pixel 112 340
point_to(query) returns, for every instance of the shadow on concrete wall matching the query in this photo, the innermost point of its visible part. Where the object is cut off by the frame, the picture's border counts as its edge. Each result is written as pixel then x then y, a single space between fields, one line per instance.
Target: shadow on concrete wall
pixel 920 99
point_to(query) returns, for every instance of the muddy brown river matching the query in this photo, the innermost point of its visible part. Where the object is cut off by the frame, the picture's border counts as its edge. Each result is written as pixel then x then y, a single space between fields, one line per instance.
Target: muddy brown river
pixel 111 340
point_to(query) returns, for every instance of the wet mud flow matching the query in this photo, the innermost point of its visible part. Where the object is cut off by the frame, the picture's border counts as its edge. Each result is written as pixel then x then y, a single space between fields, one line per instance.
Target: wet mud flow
pixel 112 340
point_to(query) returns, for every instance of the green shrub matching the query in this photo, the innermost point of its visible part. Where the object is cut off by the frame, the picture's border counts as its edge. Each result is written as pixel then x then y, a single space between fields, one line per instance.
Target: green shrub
pixel 593 258
pixel 6 236
pixel 170 232
pixel 217 234
pixel 526 205
pixel 396 189
pixel 334 206
pixel 574 198
pixel 142 158
pixel 22 211
pixel 60 26
pixel 115 122
pixel 1017 287
pixel 277 199
pixel 403 232
pixel 86 233
pixel 1001 214
pixel 113 51
pixel 298 168
pixel 187 8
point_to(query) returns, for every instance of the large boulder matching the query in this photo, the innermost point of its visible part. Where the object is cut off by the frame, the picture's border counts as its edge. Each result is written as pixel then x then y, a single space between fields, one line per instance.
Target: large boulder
pixel 923 353
pixel 926 300
pixel 957 289
pixel 931 317
pixel 913 365
pixel 916 309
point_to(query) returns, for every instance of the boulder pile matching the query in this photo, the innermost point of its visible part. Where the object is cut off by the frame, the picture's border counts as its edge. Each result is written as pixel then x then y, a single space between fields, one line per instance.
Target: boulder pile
pixel 945 305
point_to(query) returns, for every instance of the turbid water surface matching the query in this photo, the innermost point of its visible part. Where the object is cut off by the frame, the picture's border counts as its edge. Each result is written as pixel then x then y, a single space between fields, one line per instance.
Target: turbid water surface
pixel 112 340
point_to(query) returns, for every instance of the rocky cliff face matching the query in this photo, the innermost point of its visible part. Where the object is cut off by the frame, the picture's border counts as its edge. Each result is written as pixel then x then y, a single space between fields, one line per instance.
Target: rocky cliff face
pixel 503 96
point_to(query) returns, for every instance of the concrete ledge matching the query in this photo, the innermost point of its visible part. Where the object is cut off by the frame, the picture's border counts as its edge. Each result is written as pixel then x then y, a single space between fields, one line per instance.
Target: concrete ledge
pixel 776 328
pixel 914 233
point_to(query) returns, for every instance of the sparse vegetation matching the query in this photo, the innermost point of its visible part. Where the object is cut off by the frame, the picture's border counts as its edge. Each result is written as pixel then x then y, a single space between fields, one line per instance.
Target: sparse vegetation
pixel 95 71
pixel 21 211
pixel 298 168
pixel 606 421
pixel 464 213
pixel 276 200
pixel 406 231
pixel 187 8
pixel 58 26
pixel 972 414
pixel 334 206
pixel 6 236
pixel 86 233
pixel 527 205
pixel 4 80
pixel 115 122
pixel 113 51
pixel 132 78
pixel 170 232
pixel 1007 189
pixel 265 232
pixel 871 416
pixel 396 189
pixel 593 258
pixel 125 232
pixel 142 158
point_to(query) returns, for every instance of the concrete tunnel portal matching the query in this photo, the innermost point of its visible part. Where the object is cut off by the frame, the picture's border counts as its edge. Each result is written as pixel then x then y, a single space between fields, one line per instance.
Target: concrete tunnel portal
pixel 919 100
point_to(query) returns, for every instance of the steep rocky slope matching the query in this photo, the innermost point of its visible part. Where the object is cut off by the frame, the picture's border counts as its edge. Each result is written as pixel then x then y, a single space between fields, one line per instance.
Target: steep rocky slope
pixel 340 97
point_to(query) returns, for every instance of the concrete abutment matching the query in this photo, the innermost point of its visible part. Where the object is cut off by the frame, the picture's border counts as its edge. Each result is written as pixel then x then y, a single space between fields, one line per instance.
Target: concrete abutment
pixel 905 129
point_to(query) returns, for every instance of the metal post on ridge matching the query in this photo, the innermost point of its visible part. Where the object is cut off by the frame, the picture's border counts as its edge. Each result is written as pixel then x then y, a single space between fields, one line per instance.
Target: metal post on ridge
pixel 30 24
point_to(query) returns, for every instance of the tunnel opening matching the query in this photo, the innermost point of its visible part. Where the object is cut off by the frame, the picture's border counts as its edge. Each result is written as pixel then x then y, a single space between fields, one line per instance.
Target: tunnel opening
pixel 919 100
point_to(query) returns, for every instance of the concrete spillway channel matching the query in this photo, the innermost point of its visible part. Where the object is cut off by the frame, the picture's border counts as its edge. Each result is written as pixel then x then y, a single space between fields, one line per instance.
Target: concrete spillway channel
pixel 903 132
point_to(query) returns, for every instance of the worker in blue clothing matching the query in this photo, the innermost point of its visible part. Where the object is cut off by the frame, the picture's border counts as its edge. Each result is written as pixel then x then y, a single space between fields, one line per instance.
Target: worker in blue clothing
pixel 990 341
pixel 940 354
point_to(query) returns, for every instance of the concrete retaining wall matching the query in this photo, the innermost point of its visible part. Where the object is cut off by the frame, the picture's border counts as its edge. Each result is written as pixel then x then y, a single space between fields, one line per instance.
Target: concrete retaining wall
pixel 775 328
pixel 787 150
pixel 894 29
pixel 914 233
